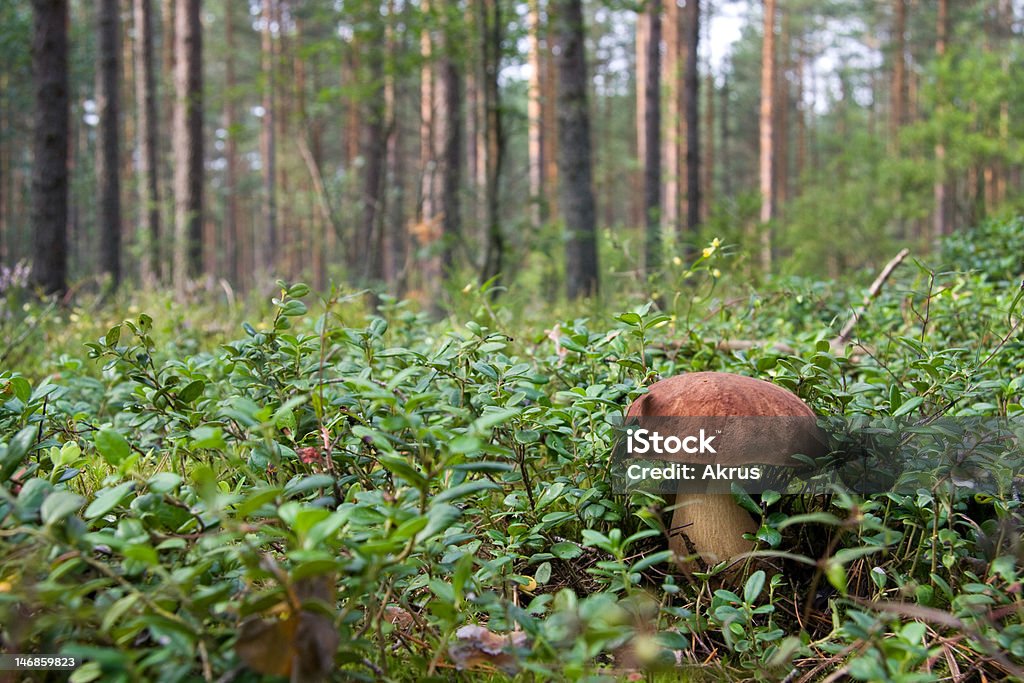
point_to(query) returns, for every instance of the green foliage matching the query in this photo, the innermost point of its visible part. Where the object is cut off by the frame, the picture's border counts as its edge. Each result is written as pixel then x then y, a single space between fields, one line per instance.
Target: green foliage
pixel 378 482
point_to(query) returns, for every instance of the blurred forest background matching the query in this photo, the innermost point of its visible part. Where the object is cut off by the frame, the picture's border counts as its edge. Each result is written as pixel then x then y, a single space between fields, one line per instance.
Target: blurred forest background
pixel 561 147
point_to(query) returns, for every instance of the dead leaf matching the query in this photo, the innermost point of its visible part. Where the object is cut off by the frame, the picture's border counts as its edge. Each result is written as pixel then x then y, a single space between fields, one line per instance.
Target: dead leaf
pixel 298 643
pixel 475 646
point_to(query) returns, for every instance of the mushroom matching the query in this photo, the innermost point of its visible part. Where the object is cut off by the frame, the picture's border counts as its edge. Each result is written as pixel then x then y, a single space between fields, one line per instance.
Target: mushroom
pixel 713 523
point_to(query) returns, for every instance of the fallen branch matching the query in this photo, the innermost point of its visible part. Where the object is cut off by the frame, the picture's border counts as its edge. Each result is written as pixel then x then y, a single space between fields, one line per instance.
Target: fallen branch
pixel 876 287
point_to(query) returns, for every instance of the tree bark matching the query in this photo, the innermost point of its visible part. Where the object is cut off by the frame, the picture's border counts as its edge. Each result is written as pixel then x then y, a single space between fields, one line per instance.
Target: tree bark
pixel 649 128
pixel 267 246
pixel 723 118
pixel 441 158
pixel 394 221
pixel 898 95
pixel 108 167
pixel 767 151
pixel 941 224
pixel 534 118
pixel 230 116
pixel 780 129
pixel 367 259
pixel 576 195
pixel 50 145
pixel 707 190
pixel 187 132
pixel 146 132
pixel 692 85
pixel 672 137
pixel 493 134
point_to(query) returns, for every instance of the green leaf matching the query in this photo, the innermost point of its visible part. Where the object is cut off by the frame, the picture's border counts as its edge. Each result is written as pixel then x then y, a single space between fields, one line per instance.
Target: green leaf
pixel 651 560
pixel 465 489
pixel 440 516
pixel 207 436
pixel 107 500
pixel 16 449
pixel 752 589
pixel 908 406
pixel 629 318
pixel 59 505
pixel 112 446
pixel 836 575
pixel 113 335
pixel 565 550
pixel 22 389
pixel 162 482
pixel 192 391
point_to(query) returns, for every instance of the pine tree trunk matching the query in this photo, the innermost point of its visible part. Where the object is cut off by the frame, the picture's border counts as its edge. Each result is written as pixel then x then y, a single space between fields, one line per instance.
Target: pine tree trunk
pixel 394 236
pixel 450 153
pixel 367 259
pixel 723 125
pixel 941 224
pixel 576 195
pixel 108 166
pixel 187 132
pixel 230 114
pixel 50 145
pixel 534 118
pixel 649 132
pixel 898 96
pixel 707 190
pixel 266 247
pixel 801 118
pixel 767 151
pixel 781 125
pixel 671 139
pixel 146 132
pixel 549 90
pixel 692 85
pixel 493 134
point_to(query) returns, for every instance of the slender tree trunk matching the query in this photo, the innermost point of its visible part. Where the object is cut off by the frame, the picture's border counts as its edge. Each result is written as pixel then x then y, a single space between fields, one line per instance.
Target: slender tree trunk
pixel 267 246
pixel 187 131
pixel 723 118
pixel 230 114
pixel 767 178
pixel 576 194
pixel 494 137
pixel 395 233
pixel 549 89
pixel 165 155
pixel 649 132
pixel 692 84
pixel 451 154
pixel 108 167
pixel 801 118
pixel 1005 20
pixel 367 259
pixel 781 106
pixel 708 167
pixel 534 118
pixel 941 225
pixel 672 137
pixel 898 95
pixel 50 145
pixel 441 141
pixel 146 131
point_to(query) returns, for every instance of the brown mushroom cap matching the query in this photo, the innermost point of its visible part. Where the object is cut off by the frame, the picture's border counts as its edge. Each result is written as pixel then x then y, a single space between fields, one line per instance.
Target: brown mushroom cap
pixel 784 426
pixel 712 524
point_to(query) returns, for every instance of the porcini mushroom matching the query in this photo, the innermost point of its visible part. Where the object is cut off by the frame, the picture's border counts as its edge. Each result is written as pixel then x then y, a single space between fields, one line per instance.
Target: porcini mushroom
pixel 713 523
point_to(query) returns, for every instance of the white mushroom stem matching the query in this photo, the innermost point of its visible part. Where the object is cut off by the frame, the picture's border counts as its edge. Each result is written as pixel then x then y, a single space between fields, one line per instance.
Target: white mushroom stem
pixel 713 524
